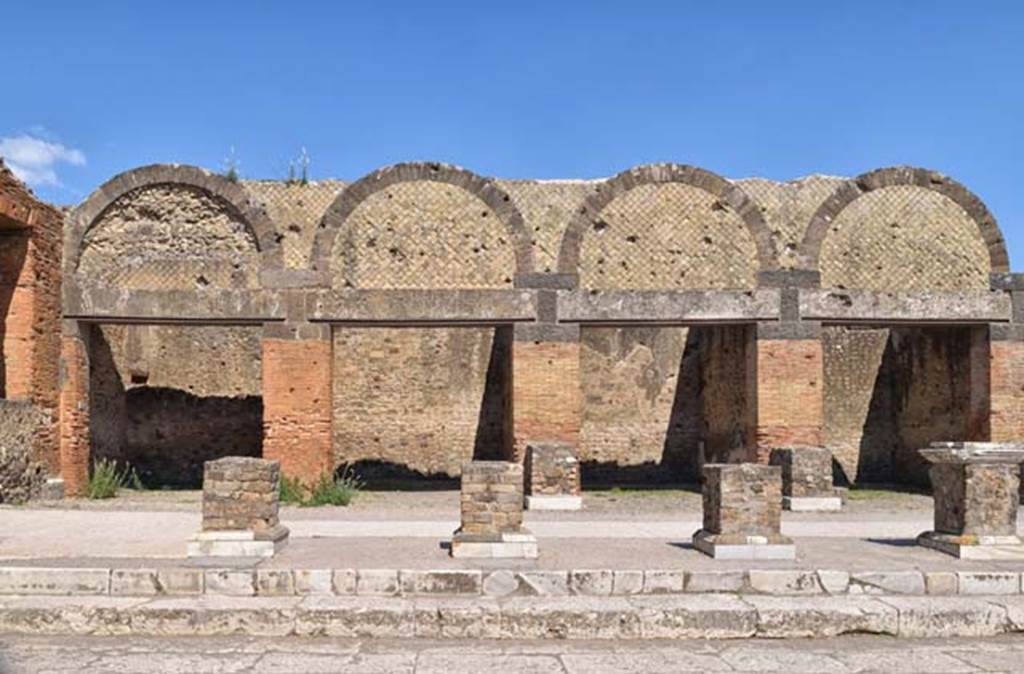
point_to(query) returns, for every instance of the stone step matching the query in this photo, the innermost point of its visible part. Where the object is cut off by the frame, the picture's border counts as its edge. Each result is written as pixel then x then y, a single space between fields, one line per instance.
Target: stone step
pixel 723 616
pixel 494 583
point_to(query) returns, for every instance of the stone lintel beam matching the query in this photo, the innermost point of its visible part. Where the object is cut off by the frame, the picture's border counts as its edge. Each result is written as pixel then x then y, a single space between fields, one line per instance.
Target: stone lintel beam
pixel 116 305
pixel 981 306
pixel 421 306
pixel 652 306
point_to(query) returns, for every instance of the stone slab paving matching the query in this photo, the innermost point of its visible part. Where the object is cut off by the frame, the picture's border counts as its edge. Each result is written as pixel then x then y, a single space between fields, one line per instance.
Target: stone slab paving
pixel 28 532
pixel 288 655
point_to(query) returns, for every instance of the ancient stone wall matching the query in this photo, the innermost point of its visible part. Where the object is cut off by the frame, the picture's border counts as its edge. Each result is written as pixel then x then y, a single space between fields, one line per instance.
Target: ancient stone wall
pixel 167 398
pixel 892 391
pixel 931 392
pixel 904 238
pixel 668 236
pixel 859 427
pixel 423 234
pixel 170 237
pixel 726 353
pixel 641 414
pixel 30 289
pixel 22 472
pixel 424 399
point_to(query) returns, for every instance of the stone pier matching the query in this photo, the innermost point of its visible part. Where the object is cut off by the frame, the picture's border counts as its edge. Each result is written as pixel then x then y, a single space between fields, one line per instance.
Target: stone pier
pixel 807 479
pixel 492 513
pixel 743 513
pixel 553 475
pixel 240 503
pixel 976 487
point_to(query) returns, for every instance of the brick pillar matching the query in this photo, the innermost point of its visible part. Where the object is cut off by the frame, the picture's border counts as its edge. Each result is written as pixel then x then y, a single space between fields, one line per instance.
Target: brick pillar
pixel 1006 384
pixel 547 401
pixel 789 375
pixel 74 408
pixel 297 363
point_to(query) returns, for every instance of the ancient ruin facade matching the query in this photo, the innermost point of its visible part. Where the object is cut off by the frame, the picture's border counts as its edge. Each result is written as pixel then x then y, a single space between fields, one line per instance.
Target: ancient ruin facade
pixel 424 316
pixel 30 250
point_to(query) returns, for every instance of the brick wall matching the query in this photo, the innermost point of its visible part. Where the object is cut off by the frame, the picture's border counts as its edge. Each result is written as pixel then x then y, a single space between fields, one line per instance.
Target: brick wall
pixel 728 398
pixel 74 413
pixel 297 405
pixel 789 394
pixel 30 254
pixel 547 402
pixel 1007 391
pixel 421 399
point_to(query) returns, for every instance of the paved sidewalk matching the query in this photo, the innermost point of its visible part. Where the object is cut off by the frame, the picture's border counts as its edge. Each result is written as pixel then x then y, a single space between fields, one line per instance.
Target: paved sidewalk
pixel 851 541
pixel 192 655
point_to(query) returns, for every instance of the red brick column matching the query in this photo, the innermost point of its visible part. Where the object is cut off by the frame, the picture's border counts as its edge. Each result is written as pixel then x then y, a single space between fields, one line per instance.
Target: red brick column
pixel 297 364
pixel 1006 384
pixel 74 408
pixel 547 401
pixel 789 375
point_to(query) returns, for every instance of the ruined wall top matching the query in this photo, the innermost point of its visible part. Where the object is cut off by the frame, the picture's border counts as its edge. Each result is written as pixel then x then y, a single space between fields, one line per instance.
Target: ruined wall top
pixel 435 227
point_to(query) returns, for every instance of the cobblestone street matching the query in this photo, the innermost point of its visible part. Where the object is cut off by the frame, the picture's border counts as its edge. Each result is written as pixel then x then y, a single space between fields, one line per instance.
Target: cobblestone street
pixel 124 655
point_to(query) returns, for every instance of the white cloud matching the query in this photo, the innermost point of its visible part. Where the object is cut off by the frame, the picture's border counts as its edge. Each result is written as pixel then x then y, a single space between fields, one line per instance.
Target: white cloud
pixel 35 160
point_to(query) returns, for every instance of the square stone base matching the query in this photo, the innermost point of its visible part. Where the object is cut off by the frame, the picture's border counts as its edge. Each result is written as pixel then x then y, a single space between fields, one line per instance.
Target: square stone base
pixel 812 504
pixel 52 490
pixel 744 547
pixel 522 545
pixel 238 543
pixel 988 548
pixel 542 502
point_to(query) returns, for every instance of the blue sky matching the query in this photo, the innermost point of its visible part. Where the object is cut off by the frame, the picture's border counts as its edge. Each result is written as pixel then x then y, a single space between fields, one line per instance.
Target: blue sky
pixel 518 89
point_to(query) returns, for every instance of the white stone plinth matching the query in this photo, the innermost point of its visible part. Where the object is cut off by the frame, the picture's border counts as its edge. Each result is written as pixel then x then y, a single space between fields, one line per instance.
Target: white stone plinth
pixel 521 545
pixel 242 543
pixel 754 547
pixel 810 504
pixel 554 502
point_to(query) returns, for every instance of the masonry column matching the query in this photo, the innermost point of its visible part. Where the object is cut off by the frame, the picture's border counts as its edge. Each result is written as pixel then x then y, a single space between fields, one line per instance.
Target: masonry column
pixel 547 400
pixel 74 407
pixel 788 372
pixel 1006 366
pixel 297 362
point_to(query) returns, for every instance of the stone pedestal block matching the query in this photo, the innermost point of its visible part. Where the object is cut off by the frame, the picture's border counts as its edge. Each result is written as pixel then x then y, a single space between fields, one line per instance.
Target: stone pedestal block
pixel 240 509
pixel 743 513
pixel 806 479
pixel 976 487
pixel 492 513
pixel 553 477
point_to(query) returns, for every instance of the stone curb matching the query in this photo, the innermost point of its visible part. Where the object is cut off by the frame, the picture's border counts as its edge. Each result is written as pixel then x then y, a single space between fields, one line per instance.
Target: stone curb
pixel 273 582
pixel 711 616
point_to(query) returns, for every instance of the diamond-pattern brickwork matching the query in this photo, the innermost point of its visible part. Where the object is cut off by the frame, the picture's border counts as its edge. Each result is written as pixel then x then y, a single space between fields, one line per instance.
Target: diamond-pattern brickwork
pixel 423 234
pixel 904 238
pixel 787 209
pixel 295 209
pixel 666 236
pixel 546 207
pixel 170 237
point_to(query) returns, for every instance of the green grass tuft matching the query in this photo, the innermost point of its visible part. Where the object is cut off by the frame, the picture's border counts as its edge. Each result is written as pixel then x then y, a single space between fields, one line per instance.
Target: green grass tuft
pixel 328 490
pixel 291 491
pixel 107 479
